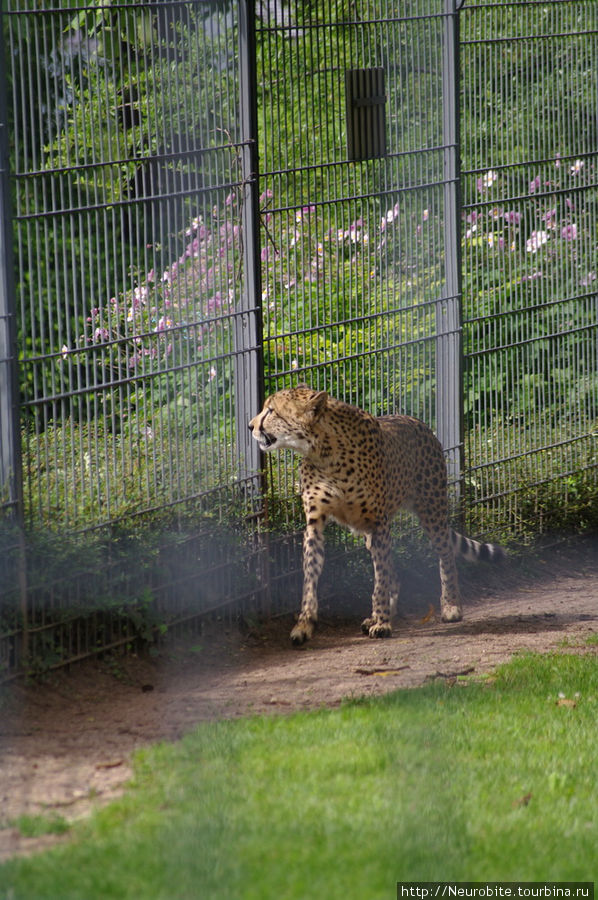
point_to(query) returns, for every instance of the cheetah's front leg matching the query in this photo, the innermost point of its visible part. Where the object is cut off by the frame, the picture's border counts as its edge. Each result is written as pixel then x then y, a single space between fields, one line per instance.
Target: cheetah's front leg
pixel 385 585
pixel 313 562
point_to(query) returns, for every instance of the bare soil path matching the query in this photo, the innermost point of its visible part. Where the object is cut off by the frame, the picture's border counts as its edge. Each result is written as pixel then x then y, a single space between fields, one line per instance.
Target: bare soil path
pixel 66 745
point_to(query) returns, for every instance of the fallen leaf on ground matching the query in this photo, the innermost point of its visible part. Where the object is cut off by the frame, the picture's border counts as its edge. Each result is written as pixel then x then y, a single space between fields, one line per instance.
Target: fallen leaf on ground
pixel 381 672
pixel 467 671
pixel 429 615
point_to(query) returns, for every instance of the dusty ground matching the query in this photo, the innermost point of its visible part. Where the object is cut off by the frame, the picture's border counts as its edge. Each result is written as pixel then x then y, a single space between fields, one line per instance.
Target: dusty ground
pixel 66 745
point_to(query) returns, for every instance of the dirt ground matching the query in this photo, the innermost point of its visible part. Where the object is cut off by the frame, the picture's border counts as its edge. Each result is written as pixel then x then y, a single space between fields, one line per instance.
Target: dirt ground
pixel 66 744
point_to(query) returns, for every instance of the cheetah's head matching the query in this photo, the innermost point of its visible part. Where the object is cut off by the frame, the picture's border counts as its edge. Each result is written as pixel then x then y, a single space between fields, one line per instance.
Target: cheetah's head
pixel 287 419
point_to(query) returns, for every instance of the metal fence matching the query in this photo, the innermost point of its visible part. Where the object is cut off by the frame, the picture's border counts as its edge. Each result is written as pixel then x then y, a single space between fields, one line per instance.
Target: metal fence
pixel 529 95
pixel 210 200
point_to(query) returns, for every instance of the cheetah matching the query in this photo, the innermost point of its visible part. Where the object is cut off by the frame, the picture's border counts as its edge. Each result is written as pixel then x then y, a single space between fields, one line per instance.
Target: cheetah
pixel 359 470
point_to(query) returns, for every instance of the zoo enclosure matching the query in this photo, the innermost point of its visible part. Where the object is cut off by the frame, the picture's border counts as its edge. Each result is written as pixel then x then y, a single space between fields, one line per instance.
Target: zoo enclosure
pixel 212 199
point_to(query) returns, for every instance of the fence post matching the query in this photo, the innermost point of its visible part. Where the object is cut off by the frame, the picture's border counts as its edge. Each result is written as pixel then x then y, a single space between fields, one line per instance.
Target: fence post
pixel 11 493
pixel 449 381
pixel 11 470
pixel 248 362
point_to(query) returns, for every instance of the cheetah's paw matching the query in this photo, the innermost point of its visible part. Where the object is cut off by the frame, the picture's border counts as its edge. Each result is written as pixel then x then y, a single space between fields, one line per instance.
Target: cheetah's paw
pixel 302 631
pixel 367 624
pixel 380 630
pixel 451 613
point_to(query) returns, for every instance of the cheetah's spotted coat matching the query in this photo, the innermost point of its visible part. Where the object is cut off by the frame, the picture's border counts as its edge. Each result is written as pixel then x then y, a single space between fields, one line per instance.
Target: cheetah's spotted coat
pixel 359 470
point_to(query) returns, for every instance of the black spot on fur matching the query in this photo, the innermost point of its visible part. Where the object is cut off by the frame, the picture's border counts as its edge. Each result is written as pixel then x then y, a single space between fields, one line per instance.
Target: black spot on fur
pixel 485 552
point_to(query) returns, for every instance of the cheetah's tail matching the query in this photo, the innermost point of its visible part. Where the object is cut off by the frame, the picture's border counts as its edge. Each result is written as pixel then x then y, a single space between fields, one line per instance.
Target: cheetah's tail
pixel 474 551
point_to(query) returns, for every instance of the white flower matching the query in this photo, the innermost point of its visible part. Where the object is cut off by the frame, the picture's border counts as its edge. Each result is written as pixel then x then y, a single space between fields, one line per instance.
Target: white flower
pixel 535 241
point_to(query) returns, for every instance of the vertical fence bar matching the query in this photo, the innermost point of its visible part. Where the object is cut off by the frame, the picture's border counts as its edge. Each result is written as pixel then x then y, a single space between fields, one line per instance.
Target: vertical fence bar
pixel 10 444
pixel 449 416
pixel 11 472
pixel 248 325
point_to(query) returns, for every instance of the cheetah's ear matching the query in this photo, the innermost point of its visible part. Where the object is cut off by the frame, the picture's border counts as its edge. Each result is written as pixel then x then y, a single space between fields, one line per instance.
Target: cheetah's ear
pixel 317 404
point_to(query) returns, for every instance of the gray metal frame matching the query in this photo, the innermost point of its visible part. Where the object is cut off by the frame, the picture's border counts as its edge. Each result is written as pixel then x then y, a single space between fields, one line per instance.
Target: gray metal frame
pixel 11 486
pixel 249 390
pixel 223 232
pixel 449 379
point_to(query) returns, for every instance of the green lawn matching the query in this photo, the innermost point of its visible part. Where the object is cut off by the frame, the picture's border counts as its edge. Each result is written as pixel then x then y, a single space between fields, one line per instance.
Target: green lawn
pixel 476 781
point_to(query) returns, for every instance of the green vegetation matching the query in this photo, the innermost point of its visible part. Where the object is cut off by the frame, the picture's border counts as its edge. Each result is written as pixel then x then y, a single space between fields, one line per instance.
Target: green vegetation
pixel 120 588
pixel 352 253
pixel 37 826
pixel 481 780
pixel 129 282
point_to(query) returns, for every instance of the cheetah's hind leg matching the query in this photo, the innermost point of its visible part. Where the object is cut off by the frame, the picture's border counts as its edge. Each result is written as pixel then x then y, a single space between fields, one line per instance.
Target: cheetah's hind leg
pixel 386 586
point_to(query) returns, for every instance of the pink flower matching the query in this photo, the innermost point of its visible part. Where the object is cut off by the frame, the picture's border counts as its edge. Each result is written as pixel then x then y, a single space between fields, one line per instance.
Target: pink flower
pixel 304 211
pixel 537 273
pixel 534 185
pixel 569 232
pixel 495 241
pixel 214 302
pixel 194 226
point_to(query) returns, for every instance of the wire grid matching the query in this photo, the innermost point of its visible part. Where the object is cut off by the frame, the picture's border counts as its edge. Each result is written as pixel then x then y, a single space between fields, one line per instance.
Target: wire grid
pixel 353 253
pixel 530 192
pixel 127 180
pixel 128 232
pixel 132 307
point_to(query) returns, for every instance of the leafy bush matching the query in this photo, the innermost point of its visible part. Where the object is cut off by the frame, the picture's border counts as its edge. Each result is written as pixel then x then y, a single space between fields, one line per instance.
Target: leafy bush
pixel 529 282
pixel 352 268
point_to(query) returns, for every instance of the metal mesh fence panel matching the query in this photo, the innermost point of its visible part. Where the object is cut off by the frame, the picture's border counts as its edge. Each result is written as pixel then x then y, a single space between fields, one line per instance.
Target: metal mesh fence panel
pixel 529 142
pixel 212 199
pixel 355 286
pixel 136 317
pixel 126 145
